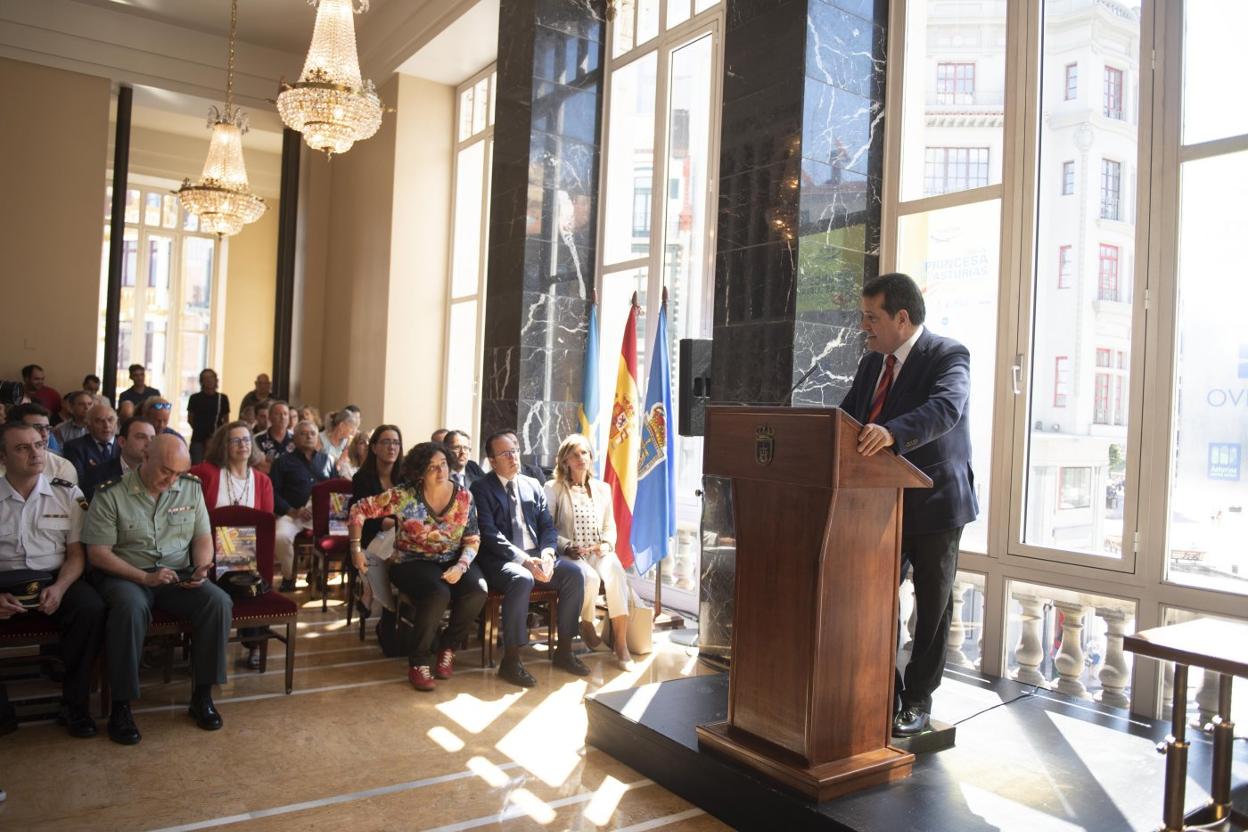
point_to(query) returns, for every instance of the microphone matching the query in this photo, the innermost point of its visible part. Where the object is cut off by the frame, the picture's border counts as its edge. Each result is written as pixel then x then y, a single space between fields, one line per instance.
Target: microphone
pixel 789 395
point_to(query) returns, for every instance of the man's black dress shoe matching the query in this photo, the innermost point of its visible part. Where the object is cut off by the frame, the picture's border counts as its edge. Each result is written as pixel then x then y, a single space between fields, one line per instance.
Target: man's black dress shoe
pixel 515 673
pixel 77 718
pixel 121 727
pixel 565 660
pixel 909 722
pixel 205 713
pixel 287 585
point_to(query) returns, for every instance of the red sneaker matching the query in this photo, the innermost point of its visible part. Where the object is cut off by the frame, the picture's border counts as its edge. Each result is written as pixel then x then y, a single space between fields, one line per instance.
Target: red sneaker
pixel 421 678
pixel 445 665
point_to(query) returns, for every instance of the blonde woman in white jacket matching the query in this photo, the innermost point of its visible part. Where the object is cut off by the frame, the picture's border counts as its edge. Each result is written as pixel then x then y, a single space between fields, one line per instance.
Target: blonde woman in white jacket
pixel 581 507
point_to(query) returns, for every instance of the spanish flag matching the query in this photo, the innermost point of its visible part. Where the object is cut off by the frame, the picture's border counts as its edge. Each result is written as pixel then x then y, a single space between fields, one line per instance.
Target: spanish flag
pixel 623 441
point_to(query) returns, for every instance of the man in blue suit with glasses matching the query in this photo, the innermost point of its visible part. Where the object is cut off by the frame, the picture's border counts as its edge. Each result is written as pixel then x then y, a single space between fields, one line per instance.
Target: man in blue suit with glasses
pixel 910 393
pixel 518 543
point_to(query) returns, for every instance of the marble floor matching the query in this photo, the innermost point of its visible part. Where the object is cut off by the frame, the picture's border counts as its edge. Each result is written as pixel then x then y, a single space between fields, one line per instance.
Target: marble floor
pixel 353 748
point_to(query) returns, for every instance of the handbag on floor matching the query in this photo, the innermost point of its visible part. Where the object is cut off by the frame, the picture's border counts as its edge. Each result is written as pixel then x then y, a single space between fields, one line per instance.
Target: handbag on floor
pixel 640 625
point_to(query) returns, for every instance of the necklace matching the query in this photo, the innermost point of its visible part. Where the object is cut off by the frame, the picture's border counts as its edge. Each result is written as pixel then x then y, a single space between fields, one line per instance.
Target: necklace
pixel 245 489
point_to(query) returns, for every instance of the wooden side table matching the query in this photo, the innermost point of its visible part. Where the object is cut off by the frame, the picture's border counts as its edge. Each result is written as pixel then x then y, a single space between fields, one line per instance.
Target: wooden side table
pixel 1220 646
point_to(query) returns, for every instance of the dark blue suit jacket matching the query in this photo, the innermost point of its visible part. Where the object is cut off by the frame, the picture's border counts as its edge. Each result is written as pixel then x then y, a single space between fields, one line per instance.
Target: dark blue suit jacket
pixel 86 455
pixel 101 474
pixel 494 517
pixel 925 411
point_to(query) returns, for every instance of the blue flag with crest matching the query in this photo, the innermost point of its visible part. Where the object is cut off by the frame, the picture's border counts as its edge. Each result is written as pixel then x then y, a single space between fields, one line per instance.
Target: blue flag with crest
pixel 654 510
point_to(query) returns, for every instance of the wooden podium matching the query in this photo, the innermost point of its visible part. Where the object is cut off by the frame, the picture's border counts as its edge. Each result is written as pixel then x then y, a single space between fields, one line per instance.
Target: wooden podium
pixel 814 636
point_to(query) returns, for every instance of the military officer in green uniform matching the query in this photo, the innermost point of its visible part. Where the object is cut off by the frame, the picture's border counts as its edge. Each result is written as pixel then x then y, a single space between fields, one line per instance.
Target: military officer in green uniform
pixel 148 537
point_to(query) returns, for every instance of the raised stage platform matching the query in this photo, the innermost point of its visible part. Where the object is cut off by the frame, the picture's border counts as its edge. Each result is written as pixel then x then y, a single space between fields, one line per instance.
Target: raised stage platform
pixel 1042 762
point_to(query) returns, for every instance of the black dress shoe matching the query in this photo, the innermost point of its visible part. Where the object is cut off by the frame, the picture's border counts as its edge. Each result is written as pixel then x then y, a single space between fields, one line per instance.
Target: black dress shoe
pixel 77 718
pixel 287 585
pixel 205 713
pixel 515 673
pixel 565 660
pixel 121 727
pixel 910 721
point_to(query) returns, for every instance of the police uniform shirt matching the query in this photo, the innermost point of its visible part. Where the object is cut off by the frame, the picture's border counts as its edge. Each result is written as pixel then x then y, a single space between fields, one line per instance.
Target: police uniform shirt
pixel 34 532
pixel 55 467
pixel 144 532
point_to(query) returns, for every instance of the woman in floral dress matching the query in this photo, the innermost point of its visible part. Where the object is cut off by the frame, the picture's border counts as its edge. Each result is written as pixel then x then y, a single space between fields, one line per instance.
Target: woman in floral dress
pixel 436 541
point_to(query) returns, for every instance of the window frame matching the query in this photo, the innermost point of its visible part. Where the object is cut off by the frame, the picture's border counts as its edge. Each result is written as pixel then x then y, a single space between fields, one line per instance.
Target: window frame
pixel 1068 177
pixel 1071 92
pixel 1111 190
pixel 1139 576
pixel 1113 97
pixel 960 72
pixel 485 136
pixel 669 40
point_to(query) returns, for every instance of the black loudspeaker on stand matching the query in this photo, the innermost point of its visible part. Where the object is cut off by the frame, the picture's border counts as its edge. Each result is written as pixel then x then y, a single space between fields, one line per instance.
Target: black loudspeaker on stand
pixel 694 385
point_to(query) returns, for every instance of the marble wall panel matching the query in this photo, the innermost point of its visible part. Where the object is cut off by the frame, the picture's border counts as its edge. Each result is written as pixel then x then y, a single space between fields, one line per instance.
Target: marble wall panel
pixel 543 217
pixel 837 349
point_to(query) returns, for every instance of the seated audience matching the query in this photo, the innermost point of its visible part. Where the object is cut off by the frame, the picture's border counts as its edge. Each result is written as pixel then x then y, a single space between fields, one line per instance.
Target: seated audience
pixel 228 472
pixel 157 411
pixel 43 519
pixel 439 435
pixel 206 410
pixel 357 451
pixel 260 393
pixel 230 478
pixel 293 476
pixel 260 413
pixel 150 546
pixel 91 385
pixel 308 413
pixel 380 472
pixel 138 391
pixel 585 520
pixel 247 415
pixel 435 543
pixel 36 416
pixel 36 390
pixel 97 447
pixel 79 402
pixel 337 435
pixel 518 541
pixel 133 439
pixel 277 439
pixel 126 410
pixel 464 471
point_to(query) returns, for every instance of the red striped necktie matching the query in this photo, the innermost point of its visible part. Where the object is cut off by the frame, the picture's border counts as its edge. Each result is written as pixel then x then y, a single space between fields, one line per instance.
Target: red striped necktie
pixel 881 390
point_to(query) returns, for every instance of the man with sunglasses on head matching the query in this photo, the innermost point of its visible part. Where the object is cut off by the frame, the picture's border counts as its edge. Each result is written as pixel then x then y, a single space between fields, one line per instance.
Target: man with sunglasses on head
pixel 36 416
pixel 149 541
pixel 96 448
pixel 43 517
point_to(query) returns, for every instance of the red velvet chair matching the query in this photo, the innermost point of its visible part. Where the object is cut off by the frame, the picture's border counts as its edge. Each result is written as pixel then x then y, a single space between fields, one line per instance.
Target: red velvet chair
pixel 332 549
pixel 30 630
pixel 270 609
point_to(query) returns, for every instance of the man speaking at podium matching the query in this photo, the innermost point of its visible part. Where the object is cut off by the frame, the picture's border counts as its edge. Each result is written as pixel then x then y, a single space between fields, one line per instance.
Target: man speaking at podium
pixel 910 393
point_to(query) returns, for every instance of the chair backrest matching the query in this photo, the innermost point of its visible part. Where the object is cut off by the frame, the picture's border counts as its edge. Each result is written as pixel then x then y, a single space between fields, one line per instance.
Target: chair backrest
pixel 321 506
pixel 242 517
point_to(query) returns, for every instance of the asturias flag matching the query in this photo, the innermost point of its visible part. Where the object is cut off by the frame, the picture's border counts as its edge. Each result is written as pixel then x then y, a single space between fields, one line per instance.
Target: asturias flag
pixel 622 440
pixel 587 410
pixel 654 510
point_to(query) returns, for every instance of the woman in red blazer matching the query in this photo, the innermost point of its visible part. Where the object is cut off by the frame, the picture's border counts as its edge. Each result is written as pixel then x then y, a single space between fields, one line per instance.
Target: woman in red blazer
pixel 230 478
pixel 229 473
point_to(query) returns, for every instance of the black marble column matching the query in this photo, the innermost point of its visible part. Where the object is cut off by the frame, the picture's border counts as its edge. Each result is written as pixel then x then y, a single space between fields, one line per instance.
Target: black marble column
pixel 801 160
pixel 543 218
pixel 800 187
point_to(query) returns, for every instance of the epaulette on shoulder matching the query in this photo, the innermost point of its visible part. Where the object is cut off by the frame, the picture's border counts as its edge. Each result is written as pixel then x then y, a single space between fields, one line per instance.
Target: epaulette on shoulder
pixel 189 476
pixel 107 484
pixel 62 483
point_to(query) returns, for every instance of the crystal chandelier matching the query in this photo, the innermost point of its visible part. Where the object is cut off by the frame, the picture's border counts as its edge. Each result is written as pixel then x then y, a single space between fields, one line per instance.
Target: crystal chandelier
pixel 330 104
pixel 222 199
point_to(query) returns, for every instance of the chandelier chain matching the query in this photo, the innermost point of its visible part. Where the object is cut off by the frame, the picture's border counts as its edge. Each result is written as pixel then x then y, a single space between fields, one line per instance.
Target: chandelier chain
pixel 229 71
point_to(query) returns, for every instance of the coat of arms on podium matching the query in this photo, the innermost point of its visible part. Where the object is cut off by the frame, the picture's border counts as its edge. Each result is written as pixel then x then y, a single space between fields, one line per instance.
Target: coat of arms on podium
pixel 764 444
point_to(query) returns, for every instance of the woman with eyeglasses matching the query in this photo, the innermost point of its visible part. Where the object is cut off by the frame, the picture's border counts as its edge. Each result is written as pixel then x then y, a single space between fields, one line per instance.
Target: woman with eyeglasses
pixel 230 478
pixel 379 473
pixel 435 543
